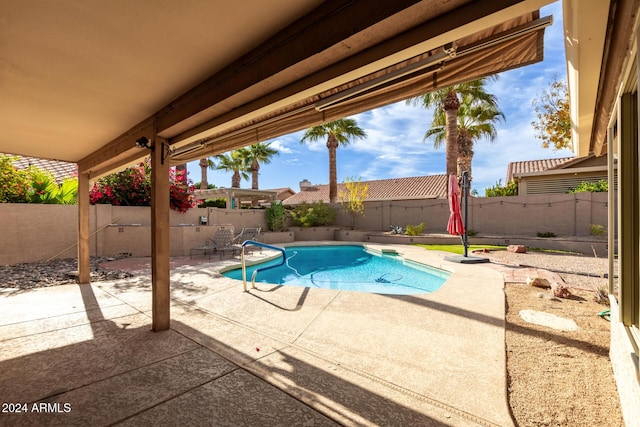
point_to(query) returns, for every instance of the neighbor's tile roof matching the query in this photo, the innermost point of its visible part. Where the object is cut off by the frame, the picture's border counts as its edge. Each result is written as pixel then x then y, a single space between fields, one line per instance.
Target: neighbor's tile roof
pixel 60 170
pixel 282 192
pixel 529 166
pixel 419 187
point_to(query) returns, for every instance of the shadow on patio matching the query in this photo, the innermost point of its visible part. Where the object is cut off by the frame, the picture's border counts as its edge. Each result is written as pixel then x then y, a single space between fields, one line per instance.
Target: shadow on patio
pixel 106 371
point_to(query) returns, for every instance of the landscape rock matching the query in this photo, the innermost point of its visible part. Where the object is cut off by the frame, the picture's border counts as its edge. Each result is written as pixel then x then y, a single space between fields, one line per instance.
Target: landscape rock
pixel 519 249
pixel 561 291
pixel 538 282
pixel 549 320
pixel 55 272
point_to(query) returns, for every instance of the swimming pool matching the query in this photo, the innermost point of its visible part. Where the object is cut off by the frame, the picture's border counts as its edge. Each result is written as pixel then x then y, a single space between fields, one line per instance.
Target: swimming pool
pixel 347 267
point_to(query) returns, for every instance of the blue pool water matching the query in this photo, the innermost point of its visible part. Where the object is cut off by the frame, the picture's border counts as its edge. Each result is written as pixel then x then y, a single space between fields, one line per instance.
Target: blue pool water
pixel 347 267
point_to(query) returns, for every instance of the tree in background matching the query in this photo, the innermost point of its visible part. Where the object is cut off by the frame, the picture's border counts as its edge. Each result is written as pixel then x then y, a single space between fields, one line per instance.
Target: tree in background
pixel 553 124
pixel 257 154
pixel 132 187
pixel 236 162
pixel 511 189
pixel 353 197
pixel 205 163
pixel 475 120
pixel 446 104
pixel 338 133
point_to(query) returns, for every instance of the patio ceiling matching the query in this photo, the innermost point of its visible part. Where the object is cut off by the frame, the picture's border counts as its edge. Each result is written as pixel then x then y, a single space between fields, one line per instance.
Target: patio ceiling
pixel 81 81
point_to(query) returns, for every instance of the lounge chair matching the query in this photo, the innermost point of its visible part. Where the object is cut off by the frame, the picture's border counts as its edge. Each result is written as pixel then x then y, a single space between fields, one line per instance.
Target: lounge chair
pixel 222 240
pixel 246 234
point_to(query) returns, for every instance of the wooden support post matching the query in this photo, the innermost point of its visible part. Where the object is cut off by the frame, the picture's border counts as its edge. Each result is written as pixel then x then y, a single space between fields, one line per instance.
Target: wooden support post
pixel 160 235
pixel 84 255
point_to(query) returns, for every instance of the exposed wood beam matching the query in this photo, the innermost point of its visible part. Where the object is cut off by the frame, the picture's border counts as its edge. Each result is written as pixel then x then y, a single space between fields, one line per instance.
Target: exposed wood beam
pixel 328 25
pixel 429 35
pixel 118 151
pixel 325 27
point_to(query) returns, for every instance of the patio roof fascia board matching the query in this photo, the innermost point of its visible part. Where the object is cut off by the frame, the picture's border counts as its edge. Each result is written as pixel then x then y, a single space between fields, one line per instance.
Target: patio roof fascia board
pixel 621 26
pixel 493 12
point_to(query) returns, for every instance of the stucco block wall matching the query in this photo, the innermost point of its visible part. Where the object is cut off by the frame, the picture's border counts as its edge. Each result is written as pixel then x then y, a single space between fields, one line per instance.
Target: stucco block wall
pixel 38 232
pixel 561 214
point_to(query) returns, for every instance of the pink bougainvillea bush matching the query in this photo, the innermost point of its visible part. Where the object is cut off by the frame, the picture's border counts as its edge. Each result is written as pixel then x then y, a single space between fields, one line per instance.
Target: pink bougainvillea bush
pixel 132 187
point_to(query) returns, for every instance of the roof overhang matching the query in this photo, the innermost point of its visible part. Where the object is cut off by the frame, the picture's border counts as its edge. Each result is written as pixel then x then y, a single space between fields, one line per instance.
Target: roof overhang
pixel 81 82
pixel 572 171
pixel 598 39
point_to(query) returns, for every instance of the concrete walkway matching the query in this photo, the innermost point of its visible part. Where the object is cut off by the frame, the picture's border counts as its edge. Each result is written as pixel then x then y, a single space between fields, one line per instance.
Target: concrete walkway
pixel 278 355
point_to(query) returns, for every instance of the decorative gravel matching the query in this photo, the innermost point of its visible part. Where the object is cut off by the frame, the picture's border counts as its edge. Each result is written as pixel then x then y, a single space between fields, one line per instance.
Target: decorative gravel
pixel 55 272
pixel 583 271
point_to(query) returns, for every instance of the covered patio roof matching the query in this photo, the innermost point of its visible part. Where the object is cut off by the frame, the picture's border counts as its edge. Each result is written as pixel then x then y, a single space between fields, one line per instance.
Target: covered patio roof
pixel 104 84
pixel 81 82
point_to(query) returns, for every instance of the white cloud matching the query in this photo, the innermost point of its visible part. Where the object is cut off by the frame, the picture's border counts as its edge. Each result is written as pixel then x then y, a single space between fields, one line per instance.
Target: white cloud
pixel 281 147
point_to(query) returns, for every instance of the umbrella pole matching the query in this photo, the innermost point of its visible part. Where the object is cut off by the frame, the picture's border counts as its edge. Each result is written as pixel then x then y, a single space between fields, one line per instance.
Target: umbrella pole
pixel 465 189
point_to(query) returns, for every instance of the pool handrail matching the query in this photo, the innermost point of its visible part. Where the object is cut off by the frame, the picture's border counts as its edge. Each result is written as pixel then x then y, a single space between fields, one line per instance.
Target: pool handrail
pixel 244 266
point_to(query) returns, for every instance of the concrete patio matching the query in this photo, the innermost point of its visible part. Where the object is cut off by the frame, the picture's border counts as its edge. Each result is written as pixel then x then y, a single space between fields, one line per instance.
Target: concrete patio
pixel 277 355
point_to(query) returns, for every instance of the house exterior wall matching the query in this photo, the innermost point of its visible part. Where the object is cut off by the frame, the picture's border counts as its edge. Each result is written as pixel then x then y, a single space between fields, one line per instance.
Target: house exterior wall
pixel 39 232
pixel 556 184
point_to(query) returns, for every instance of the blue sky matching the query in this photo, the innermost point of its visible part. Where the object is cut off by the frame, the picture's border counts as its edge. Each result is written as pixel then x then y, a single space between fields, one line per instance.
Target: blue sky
pixel 394 146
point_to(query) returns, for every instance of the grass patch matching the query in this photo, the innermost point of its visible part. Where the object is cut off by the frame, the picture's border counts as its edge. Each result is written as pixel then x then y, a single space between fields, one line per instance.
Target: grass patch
pixel 459 249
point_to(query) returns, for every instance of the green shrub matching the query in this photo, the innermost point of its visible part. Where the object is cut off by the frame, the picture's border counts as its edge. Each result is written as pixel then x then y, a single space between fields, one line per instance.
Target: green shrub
pixel 33 185
pixel 546 234
pixel 312 214
pixel 14 184
pixel 415 230
pixel 591 187
pixel 132 187
pixel 276 217
pixel 472 233
pixel 596 229
pixel 511 189
pixel 214 203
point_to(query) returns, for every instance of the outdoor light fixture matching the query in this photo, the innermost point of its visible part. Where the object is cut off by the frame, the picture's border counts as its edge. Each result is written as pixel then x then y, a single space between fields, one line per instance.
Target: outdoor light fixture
pixel 143 142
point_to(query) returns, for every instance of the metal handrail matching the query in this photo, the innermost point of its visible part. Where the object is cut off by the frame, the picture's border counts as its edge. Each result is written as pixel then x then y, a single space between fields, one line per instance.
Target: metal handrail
pixel 244 266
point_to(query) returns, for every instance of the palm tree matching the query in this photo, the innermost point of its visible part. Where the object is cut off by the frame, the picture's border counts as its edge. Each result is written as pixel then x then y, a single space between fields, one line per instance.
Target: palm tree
pixel 475 120
pixel 446 102
pixel 259 153
pixel 338 133
pixel 205 164
pixel 235 161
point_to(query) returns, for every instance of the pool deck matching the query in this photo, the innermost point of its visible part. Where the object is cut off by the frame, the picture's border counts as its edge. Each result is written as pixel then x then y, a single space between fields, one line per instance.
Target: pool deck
pixel 276 355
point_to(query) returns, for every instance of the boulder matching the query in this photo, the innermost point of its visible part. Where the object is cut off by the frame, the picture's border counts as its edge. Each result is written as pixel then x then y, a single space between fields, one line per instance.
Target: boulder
pixel 561 291
pixel 519 249
pixel 538 282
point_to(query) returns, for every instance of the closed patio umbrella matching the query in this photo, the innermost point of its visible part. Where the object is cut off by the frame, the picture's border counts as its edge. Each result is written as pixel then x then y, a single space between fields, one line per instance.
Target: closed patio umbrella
pixel 455 225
